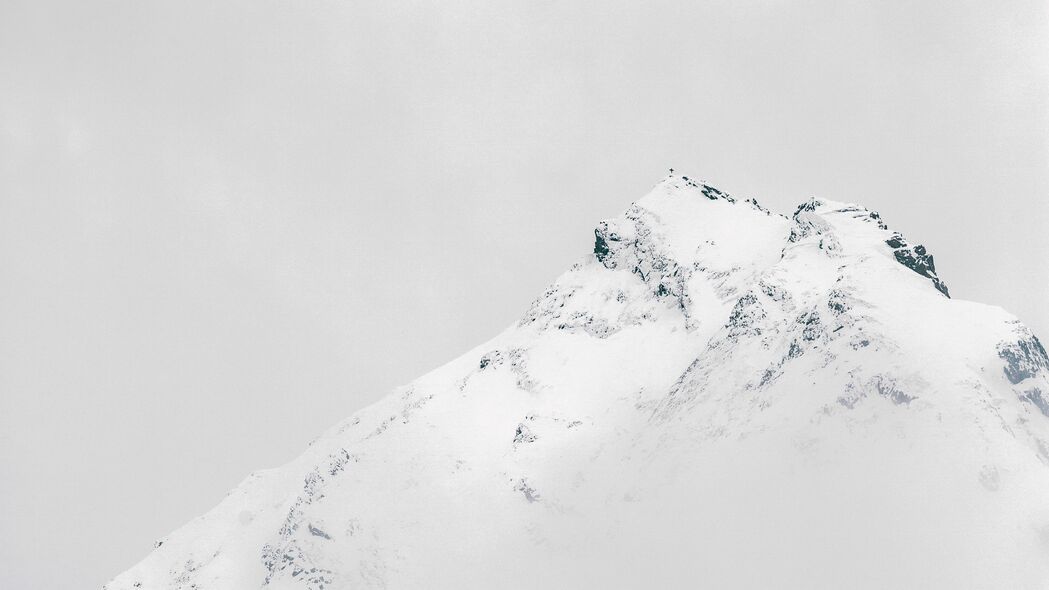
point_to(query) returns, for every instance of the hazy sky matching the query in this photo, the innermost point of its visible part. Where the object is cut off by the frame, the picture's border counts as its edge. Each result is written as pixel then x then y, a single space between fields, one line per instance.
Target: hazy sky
pixel 224 226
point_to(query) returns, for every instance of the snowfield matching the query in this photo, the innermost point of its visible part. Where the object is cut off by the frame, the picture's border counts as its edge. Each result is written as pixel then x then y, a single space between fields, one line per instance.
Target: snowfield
pixel 718 396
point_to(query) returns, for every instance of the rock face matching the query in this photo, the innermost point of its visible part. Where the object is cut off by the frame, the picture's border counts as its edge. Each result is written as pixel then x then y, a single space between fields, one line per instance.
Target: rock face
pixel 1024 358
pixel 717 396
pixel 916 259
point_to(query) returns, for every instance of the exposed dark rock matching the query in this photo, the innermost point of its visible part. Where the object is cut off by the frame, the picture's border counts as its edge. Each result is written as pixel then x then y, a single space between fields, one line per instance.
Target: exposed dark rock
pixel 1036 397
pixel 917 259
pixel 812 329
pixel 600 245
pixel 316 532
pixel 523 435
pixel 768 377
pixel 607 242
pixel 711 193
pixel 806 225
pixel 298 565
pixel 836 302
pixel 745 315
pixel 492 359
pixel 1023 358
pixel 809 205
pixel 874 215
pixel 754 203
pixel 860 343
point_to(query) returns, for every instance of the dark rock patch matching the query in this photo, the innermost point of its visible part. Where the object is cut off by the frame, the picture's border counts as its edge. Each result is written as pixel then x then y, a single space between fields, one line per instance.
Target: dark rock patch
pixel 745 315
pixel 523 435
pixel 1036 397
pixel 1023 358
pixel 316 532
pixel 600 245
pixel 813 329
pixel 836 301
pixel 917 259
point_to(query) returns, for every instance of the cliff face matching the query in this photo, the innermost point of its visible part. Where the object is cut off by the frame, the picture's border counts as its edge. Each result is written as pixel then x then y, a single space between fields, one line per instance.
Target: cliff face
pixel 717 396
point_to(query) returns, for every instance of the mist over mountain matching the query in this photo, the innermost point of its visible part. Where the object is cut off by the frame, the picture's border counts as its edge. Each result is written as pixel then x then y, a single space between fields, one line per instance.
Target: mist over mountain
pixel 717 395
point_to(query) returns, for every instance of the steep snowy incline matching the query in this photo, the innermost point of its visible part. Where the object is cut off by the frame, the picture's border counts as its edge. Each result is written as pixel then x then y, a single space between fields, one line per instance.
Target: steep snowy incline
pixel 717 396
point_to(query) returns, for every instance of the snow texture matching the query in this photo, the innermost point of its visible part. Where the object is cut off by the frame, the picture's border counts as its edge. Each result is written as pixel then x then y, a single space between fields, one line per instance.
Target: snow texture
pixel 718 396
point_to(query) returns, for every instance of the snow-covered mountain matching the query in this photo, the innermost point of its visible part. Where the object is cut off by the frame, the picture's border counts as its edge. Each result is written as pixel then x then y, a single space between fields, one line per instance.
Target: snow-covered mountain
pixel 717 396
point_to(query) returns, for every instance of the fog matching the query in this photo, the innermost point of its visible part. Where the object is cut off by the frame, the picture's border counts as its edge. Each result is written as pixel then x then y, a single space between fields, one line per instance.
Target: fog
pixel 223 227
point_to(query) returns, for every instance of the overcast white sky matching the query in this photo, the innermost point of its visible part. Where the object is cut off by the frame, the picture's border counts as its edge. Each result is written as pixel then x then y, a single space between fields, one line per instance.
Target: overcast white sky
pixel 224 226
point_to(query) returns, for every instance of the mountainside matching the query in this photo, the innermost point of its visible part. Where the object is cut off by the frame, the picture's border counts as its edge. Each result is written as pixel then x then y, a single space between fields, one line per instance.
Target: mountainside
pixel 718 396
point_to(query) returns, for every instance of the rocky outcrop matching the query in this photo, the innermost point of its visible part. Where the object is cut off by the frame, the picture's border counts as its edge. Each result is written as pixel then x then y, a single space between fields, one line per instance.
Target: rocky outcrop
pixel 1023 358
pixel 917 259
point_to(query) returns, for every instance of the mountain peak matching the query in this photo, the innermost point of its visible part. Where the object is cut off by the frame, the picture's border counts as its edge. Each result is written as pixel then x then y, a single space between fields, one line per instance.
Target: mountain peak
pixel 714 382
pixel 684 222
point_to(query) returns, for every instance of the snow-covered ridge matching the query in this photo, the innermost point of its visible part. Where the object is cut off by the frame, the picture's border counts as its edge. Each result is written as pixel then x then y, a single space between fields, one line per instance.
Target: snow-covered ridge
pixel 717 395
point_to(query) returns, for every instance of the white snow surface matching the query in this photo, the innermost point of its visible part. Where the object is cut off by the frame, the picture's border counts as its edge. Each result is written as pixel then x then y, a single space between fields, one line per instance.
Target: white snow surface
pixel 718 397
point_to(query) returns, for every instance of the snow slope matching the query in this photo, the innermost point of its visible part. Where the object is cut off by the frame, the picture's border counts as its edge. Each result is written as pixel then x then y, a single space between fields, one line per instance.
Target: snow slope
pixel 718 396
